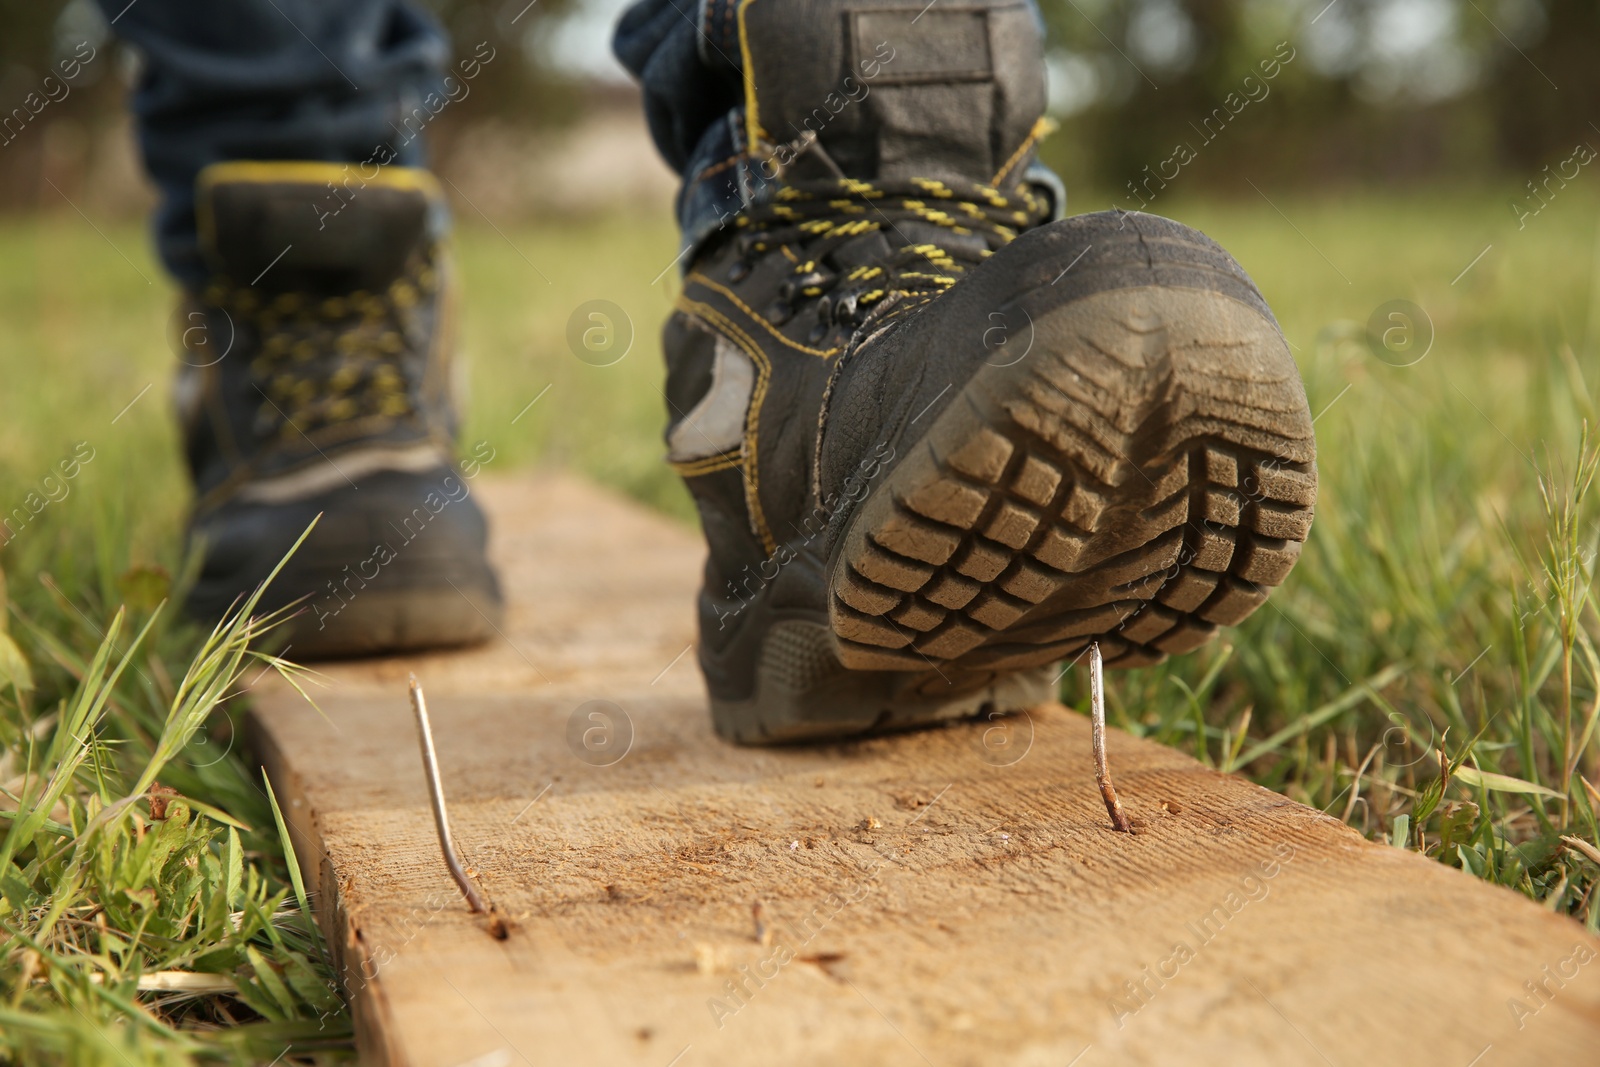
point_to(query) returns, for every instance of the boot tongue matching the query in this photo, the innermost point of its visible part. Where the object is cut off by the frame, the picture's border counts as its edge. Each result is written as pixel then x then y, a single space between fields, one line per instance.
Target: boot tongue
pixel 892 92
pixel 316 227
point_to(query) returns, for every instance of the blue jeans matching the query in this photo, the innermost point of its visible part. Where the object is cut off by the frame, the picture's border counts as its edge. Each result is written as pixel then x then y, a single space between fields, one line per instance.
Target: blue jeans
pixel 336 80
pixel 270 79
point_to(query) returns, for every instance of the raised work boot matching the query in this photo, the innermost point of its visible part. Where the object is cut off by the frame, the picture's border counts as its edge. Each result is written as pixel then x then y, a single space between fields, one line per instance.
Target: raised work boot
pixel 939 443
pixel 315 380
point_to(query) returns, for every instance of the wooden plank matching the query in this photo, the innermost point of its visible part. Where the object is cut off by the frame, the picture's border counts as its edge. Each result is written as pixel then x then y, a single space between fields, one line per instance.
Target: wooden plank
pixel 952 896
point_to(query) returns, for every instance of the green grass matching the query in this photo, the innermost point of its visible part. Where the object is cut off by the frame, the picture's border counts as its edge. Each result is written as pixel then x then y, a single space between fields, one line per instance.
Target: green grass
pixel 1443 609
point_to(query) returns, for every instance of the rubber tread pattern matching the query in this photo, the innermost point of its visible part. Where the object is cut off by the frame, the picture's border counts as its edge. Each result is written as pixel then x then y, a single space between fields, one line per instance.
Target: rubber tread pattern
pixel 1121 488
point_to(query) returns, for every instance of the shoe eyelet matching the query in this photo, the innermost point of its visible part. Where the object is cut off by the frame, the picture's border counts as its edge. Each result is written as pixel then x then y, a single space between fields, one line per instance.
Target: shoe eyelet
pixel 779 313
pixel 844 308
pixel 739 271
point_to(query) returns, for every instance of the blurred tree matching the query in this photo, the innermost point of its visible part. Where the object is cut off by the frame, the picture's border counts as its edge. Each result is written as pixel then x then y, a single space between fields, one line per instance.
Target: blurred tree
pixel 46 128
pixel 1544 82
pixel 520 86
pixel 1362 89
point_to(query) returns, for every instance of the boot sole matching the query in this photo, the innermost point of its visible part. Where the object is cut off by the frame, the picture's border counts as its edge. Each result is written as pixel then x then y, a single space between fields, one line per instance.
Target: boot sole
pixel 417 616
pixel 804 693
pixel 1143 476
pixel 390 623
pixel 383 572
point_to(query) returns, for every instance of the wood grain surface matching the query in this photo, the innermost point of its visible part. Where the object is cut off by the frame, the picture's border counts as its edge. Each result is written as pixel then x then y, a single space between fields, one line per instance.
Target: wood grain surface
pixel 947 897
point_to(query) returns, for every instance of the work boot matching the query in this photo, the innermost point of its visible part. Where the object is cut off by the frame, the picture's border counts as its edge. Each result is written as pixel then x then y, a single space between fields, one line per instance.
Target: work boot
pixel 938 442
pixel 315 380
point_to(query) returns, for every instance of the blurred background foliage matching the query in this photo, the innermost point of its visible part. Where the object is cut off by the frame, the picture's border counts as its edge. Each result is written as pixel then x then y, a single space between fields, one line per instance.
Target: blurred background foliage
pixel 1374 91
